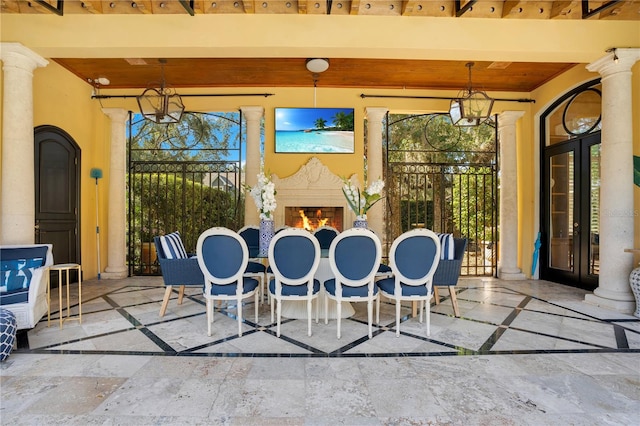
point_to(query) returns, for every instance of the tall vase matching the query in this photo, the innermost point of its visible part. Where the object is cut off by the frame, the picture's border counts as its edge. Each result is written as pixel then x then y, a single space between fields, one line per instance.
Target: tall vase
pixel 267 231
pixel 360 222
pixel 634 282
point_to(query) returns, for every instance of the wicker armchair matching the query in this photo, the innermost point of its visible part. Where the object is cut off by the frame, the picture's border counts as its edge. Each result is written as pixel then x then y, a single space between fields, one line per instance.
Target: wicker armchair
pixel 179 272
pixel 448 272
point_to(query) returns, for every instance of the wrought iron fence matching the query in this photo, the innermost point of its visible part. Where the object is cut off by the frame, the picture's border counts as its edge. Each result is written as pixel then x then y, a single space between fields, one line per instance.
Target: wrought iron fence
pixel 186 183
pixel 444 178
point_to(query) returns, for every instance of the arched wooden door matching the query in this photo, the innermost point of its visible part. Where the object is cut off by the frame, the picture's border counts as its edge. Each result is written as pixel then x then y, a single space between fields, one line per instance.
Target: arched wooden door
pixel 57 161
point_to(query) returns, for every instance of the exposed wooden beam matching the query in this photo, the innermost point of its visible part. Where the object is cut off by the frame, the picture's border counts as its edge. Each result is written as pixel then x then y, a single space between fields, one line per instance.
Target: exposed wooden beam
pixel 588 13
pixel 188 6
pixel 561 9
pixel 58 10
pixel 462 10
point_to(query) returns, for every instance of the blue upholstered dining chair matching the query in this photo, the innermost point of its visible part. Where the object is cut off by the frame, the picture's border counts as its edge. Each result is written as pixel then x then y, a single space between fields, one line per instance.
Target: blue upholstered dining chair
pixel 325 235
pixel 255 268
pixel 354 256
pixel 294 256
pixel 223 255
pixel 413 258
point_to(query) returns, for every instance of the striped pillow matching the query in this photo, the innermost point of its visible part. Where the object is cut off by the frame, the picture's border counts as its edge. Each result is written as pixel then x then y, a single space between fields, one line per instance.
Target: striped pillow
pixel 447 250
pixel 172 246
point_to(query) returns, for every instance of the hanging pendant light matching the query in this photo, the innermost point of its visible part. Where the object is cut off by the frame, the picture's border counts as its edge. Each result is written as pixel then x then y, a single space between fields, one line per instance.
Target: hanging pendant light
pixel 161 105
pixel 471 107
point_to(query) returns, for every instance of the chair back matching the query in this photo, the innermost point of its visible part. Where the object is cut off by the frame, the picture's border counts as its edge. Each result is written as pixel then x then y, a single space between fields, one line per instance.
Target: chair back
pixel 354 257
pixel 222 256
pixel 460 245
pixel 414 256
pixel 294 256
pixel 325 235
pixel 251 235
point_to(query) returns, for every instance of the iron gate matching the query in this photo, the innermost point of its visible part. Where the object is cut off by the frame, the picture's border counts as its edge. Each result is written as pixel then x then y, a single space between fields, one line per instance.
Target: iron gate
pixel 184 177
pixel 444 178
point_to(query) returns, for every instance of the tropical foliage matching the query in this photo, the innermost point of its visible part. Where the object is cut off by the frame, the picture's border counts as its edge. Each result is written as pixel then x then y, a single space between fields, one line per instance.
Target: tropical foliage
pixel 447 178
pixel 196 137
pixel 163 203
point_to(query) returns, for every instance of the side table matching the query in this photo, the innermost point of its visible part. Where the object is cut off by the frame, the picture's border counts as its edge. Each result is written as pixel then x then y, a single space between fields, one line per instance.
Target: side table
pixel 65 267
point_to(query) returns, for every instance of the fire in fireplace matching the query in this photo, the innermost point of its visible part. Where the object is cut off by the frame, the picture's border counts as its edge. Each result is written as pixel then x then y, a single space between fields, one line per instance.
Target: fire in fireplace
pixel 311 218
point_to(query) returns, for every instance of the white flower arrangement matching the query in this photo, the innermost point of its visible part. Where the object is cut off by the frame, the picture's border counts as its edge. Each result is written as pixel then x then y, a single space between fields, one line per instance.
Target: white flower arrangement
pixel 361 201
pixel 264 195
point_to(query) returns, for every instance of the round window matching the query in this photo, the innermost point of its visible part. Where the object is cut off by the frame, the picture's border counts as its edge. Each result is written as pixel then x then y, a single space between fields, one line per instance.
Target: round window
pixel 583 112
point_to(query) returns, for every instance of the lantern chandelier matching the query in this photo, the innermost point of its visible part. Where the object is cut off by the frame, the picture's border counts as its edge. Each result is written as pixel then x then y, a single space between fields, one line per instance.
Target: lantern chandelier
pixel 471 107
pixel 162 105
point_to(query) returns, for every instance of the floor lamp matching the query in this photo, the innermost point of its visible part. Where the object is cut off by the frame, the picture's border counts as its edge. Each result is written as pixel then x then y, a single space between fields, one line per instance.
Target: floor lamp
pixel 97 174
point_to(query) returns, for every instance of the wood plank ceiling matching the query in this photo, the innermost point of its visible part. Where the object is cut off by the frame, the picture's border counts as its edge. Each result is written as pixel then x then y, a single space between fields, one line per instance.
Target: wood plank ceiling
pixel 581 9
pixel 342 72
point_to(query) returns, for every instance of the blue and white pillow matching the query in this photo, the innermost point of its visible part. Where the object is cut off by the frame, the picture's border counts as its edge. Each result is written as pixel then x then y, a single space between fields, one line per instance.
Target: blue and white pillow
pixel 172 246
pixel 16 279
pixel 447 249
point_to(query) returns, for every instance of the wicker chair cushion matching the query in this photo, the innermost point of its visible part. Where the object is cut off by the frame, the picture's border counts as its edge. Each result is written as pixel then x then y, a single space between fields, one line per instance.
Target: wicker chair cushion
pixel 447 248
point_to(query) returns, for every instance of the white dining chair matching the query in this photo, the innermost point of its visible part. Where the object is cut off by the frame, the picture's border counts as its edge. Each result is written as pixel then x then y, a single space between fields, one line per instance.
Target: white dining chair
pixel 294 256
pixel 223 255
pixel 354 256
pixel 255 267
pixel 413 257
pixel 325 235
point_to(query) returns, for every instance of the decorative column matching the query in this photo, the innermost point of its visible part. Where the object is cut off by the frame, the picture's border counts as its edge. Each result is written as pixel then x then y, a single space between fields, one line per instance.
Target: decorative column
pixel 116 238
pixel 616 181
pixel 508 229
pixel 253 115
pixel 18 181
pixel 374 117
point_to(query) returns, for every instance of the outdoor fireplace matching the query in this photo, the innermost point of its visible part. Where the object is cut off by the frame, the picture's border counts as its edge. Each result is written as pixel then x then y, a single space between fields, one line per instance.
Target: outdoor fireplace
pixel 312 185
pixel 311 218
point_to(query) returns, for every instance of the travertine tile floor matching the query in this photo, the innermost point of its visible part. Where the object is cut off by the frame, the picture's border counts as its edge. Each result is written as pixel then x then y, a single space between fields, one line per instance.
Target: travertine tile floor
pixel 522 353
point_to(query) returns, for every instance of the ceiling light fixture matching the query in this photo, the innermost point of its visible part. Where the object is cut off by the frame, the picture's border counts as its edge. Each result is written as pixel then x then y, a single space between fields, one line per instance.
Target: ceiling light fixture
pixel 471 107
pixel 317 65
pixel 162 105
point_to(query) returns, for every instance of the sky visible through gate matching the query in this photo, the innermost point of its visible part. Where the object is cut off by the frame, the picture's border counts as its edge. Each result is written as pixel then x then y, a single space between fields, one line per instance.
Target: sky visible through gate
pixel 221 139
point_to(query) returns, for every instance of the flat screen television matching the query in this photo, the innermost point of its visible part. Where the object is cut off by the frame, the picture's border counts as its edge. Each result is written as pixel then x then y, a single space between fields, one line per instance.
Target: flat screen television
pixel 314 130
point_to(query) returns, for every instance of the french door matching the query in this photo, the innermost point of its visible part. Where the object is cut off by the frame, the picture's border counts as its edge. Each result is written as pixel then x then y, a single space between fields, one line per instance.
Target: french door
pixel 570 251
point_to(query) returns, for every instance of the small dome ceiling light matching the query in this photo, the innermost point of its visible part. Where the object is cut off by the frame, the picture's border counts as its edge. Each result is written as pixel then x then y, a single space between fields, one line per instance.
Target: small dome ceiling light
pixel 317 65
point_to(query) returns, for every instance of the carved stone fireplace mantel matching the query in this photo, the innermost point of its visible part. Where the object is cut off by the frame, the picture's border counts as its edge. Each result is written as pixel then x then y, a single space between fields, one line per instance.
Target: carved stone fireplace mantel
pixel 313 185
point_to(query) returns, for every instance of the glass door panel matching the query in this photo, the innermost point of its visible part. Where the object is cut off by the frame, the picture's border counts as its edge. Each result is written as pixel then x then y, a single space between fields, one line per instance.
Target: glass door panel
pixel 571 254
pixel 561 193
pixel 594 210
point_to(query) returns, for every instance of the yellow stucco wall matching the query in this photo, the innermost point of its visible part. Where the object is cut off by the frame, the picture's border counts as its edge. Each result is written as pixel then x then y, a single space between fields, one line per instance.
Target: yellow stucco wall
pixel 61 99
pixel 64 101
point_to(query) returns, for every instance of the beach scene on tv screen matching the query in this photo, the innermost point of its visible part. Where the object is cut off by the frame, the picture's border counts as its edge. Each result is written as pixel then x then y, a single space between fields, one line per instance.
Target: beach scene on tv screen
pixel 317 130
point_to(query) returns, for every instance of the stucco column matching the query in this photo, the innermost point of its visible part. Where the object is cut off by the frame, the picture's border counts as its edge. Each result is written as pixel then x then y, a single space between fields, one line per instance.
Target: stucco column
pixel 253 115
pixel 508 229
pixel 374 116
pixel 616 181
pixel 116 241
pixel 18 208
